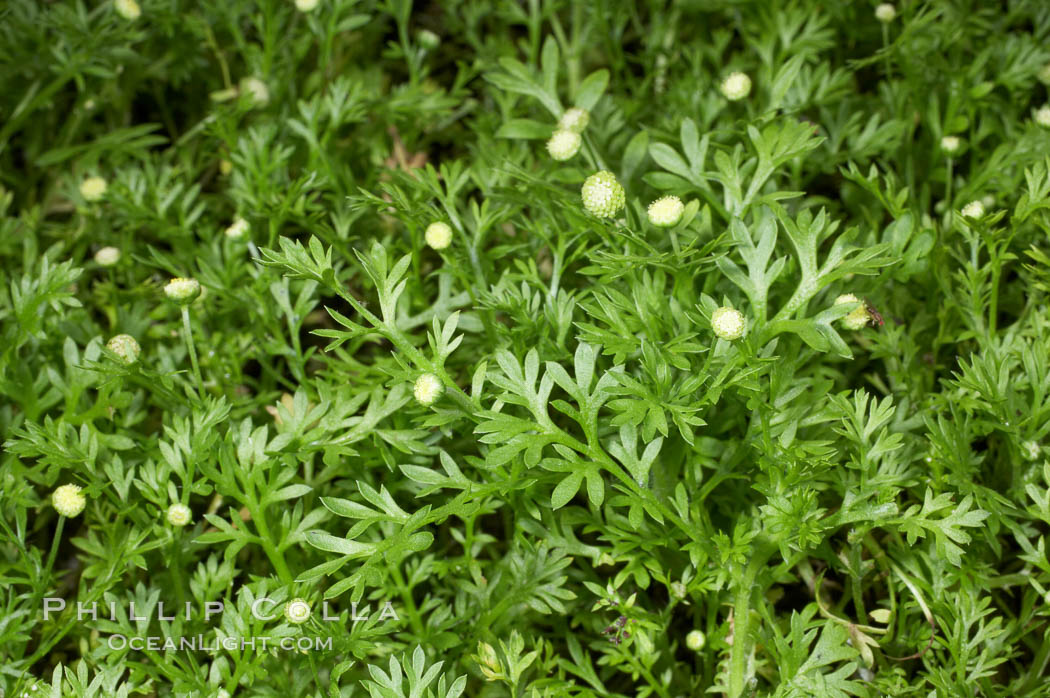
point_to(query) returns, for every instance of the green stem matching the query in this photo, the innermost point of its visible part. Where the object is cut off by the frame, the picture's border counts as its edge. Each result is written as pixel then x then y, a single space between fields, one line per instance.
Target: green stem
pixel 271 550
pixel 53 554
pixel 188 332
pixel 406 597
pixel 743 643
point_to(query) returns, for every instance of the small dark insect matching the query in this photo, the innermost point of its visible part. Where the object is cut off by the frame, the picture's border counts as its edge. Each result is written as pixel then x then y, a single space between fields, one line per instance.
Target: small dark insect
pixel 876 316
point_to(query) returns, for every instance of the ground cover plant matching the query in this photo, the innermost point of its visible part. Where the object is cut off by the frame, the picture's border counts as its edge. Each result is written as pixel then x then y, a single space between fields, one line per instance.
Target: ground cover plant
pixel 539 348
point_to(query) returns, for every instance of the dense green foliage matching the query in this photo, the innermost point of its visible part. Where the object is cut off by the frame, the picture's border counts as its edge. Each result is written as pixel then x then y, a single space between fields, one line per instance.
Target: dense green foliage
pixel 552 446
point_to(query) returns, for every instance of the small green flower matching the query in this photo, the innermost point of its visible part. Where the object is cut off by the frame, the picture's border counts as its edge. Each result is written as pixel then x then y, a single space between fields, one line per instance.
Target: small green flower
pixel 297 611
pixel 1042 116
pixel 695 640
pixel 93 188
pixel 885 13
pixel 125 347
pixel 257 90
pixel 574 119
pixel 974 209
pixel 128 9
pixel 427 389
pixel 68 501
pixel 182 291
pixel 602 194
pixel 107 256
pixel 666 211
pixel 728 323
pixel 564 144
pixel 179 514
pixel 438 235
pixel 237 229
pixel 736 86
pixel 857 318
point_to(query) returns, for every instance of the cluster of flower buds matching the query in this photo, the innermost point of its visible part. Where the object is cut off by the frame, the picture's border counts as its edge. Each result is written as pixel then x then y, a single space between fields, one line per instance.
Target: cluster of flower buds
pixel 568 136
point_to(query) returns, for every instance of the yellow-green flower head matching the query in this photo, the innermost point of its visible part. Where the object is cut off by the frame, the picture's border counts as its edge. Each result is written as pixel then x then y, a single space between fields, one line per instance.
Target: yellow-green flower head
pixel 728 323
pixel 574 119
pixel 974 209
pixel 297 611
pixel 695 640
pixel 736 86
pixel 951 144
pixel 438 235
pixel 93 188
pixel 107 256
pixel 679 590
pixel 257 90
pixel 179 514
pixel 125 347
pixel 885 13
pixel 238 228
pixel 1042 116
pixel 564 144
pixel 427 389
pixel 428 39
pixel 602 194
pixel 666 211
pixel 128 9
pixel 182 291
pixel 68 501
pixel 306 5
pixel 856 319
pixel 1044 74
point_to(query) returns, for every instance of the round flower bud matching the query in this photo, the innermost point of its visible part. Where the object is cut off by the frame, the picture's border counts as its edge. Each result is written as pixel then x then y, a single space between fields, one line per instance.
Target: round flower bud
pixel 183 291
pixel 257 90
pixel 728 323
pixel 306 5
pixel 1042 116
pixel 428 39
pixel 237 229
pixel 128 9
pixel 950 144
pixel 885 13
pixel 107 256
pixel 1044 74
pixel 125 347
pixel 666 211
pixel 297 611
pixel 602 194
pixel 427 389
pixel 974 209
pixel 438 235
pixel 695 640
pixel 678 590
pixel 225 167
pixel 93 188
pixel 179 515
pixel 856 319
pixel 68 501
pixel 564 144
pixel 1031 450
pixel 736 86
pixel 574 119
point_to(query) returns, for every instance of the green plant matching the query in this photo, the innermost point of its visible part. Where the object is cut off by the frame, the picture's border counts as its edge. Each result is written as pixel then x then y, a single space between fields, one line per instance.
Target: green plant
pixel 534 349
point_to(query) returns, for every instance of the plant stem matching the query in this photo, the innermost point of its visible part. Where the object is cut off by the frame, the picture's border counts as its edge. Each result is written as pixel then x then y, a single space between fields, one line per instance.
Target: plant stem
pixel 271 550
pixel 742 640
pixel 188 332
